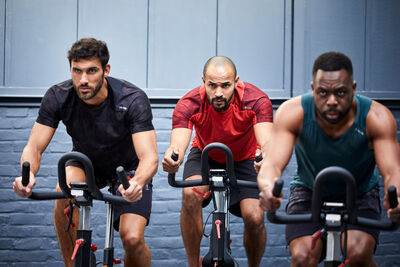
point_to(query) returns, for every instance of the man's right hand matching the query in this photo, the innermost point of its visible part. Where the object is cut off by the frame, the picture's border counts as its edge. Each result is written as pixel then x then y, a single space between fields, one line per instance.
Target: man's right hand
pixel 24 191
pixel 268 201
pixel 169 165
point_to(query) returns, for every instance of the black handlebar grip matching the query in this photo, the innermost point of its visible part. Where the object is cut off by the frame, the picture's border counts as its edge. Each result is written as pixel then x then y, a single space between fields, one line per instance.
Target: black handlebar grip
pixel 26 166
pixel 174 156
pixel 258 158
pixel 392 195
pixel 122 177
pixel 276 191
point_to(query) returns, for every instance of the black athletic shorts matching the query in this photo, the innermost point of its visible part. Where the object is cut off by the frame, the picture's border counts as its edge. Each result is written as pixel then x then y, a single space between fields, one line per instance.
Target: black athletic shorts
pixel 141 207
pixel 244 170
pixel 367 205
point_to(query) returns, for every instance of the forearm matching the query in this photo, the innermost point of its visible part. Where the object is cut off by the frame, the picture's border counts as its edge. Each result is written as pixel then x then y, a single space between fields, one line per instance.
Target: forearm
pixel 267 175
pixel 33 156
pixel 146 169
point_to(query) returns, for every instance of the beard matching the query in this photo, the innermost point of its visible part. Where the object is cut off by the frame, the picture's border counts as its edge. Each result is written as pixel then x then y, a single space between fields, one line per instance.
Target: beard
pixel 220 107
pixel 91 94
pixel 339 117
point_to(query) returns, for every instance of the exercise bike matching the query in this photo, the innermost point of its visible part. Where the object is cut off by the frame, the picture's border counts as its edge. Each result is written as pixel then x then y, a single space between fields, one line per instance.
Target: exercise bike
pixel 333 216
pixel 83 194
pixel 219 181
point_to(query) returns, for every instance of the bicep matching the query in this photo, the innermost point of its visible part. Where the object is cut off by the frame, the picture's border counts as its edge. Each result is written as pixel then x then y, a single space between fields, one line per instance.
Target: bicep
pixel 382 130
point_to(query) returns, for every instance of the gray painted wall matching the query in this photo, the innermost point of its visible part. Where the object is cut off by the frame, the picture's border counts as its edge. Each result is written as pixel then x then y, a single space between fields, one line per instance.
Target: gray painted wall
pixel 162 46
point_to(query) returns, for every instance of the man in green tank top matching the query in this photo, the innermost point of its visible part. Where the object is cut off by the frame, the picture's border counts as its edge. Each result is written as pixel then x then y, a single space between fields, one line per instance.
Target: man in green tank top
pixel 332 127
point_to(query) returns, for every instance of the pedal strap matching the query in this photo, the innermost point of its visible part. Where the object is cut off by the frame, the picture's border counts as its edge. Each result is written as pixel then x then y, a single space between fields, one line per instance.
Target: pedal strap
pixel 317 235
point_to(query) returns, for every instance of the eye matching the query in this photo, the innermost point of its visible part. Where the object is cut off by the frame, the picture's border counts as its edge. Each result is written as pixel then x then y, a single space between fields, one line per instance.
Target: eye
pixel 322 92
pixel 92 70
pixel 225 85
pixel 341 93
pixel 212 85
pixel 76 70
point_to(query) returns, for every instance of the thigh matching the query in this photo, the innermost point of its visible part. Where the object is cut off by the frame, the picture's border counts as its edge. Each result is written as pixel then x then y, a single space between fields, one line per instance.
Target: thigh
pixel 244 170
pixel 141 208
pixel 132 225
pixel 368 206
pixel 359 241
pixel 73 174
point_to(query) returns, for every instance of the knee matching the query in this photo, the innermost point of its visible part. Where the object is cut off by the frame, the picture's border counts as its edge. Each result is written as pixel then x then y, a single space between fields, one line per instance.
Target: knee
pixel 253 222
pixel 303 258
pixel 191 200
pixel 132 241
pixel 359 256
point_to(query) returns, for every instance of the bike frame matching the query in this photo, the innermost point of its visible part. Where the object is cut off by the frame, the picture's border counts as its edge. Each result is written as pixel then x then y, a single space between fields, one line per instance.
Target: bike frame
pixel 336 215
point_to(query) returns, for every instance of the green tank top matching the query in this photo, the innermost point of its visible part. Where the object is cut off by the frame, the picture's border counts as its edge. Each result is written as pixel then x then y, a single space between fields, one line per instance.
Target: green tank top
pixel 316 150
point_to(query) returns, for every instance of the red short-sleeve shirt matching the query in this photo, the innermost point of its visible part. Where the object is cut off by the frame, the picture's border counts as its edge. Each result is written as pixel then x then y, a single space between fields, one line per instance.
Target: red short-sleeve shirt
pixel 234 127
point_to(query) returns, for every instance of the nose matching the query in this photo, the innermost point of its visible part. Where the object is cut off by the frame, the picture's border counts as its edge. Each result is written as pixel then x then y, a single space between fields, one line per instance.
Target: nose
pixel 218 92
pixel 332 100
pixel 84 79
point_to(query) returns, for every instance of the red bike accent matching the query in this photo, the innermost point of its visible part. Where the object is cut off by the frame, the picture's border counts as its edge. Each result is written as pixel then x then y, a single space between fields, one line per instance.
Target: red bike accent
pixel 203 195
pixel 317 235
pixel 218 225
pixel 78 243
pixel 93 247
pixel 67 211
pixel 117 261
pixel 344 263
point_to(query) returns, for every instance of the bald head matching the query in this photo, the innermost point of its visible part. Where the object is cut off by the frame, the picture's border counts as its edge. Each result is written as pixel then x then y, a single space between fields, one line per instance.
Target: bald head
pixel 219 61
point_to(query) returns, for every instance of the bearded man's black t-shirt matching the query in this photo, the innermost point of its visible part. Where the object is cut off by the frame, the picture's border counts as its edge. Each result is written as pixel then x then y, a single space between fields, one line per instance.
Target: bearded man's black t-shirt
pixel 103 133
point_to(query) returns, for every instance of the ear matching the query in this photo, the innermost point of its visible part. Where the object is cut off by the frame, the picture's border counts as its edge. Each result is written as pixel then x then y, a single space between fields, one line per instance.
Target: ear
pixel 312 85
pixel 204 80
pixel 236 79
pixel 107 70
pixel 354 87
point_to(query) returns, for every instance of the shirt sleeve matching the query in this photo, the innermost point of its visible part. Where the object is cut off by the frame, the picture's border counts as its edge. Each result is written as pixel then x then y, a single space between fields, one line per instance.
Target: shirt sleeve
pixel 181 115
pixel 263 109
pixel 49 113
pixel 139 113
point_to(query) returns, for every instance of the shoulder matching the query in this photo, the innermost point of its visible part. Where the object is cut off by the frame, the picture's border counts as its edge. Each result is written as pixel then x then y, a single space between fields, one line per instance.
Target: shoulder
pixel 192 100
pixel 380 120
pixel 249 91
pixel 126 93
pixel 58 93
pixel 290 115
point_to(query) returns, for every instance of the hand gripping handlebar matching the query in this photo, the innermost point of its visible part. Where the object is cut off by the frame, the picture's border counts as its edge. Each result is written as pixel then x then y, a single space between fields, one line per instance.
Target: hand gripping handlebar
pixel 205 169
pixel 317 201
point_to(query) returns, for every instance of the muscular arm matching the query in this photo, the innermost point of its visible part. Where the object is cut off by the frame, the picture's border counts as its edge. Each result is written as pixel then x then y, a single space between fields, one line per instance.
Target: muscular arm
pixel 381 130
pixel 39 139
pixel 287 126
pixel 262 132
pixel 146 149
pixel 180 138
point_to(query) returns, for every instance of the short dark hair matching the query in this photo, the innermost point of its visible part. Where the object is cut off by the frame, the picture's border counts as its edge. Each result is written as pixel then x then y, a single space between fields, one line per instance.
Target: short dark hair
pixel 89 48
pixel 219 61
pixel 332 61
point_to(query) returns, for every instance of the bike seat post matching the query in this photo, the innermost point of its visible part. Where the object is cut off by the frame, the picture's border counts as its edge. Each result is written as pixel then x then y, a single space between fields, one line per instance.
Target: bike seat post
pixel 220 195
pixel 108 256
pixel 334 226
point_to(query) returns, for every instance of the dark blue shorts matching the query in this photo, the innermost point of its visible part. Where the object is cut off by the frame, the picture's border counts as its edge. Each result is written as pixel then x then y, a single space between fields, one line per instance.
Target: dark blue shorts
pixel 141 207
pixel 244 170
pixel 368 205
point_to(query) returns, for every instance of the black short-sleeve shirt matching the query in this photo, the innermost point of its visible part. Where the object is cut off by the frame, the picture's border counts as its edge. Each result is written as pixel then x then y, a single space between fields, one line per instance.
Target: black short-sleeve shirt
pixel 103 133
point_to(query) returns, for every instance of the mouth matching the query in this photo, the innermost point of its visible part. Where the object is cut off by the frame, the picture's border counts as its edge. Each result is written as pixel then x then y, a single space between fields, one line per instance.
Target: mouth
pixel 85 90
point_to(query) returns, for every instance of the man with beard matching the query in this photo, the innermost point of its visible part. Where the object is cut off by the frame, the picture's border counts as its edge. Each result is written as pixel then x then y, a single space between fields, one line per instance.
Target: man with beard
pixel 332 126
pixel 239 115
pixel 110 121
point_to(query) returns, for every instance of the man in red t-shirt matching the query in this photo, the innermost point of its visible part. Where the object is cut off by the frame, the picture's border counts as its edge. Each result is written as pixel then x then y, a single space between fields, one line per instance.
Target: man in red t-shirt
pixel 238 115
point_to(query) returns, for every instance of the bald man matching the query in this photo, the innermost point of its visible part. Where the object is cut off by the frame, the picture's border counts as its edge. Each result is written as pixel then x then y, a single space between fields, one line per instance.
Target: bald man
pixel 234 113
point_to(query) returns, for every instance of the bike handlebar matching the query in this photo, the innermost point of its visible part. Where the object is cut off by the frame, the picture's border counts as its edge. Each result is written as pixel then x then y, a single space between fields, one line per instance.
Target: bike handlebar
pixel 66 191
pixel 205 168
pixel 350 217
